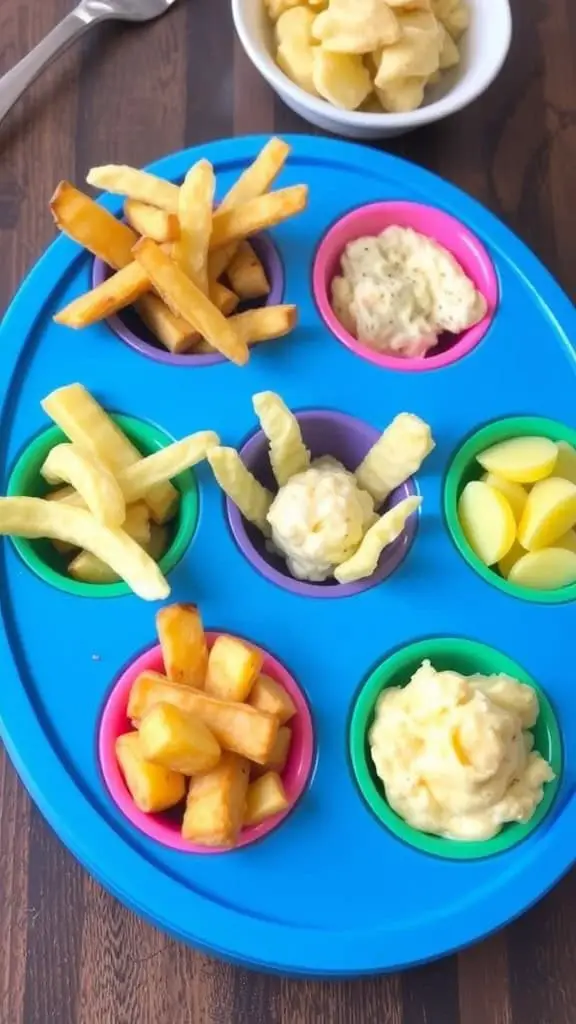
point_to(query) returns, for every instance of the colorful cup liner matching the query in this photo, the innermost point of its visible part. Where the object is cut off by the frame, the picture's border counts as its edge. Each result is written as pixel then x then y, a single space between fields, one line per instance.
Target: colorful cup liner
pixel 465 468
pixel 468 657
pixel 128 326
pixel 437 225
pixel 42 557
pixel 165 828
pixel 348 440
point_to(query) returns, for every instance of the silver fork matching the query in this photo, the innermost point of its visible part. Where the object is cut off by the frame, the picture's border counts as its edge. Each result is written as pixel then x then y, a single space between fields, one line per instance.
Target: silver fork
pixel 86 14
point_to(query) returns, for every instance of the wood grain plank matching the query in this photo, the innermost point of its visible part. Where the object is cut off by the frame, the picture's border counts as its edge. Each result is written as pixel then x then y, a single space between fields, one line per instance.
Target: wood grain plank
pixel 483 983
pixel 210 80
pixel 430 993
pixel 14 908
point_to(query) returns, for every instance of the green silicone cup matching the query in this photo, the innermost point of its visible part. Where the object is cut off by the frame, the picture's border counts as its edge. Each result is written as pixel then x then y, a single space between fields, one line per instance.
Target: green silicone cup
pixel 467 657
pixel 465 468
pixel 42 557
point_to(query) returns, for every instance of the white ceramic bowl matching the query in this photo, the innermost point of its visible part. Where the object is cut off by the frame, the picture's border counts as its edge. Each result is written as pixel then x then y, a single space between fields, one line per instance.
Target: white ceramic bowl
pixel 484 49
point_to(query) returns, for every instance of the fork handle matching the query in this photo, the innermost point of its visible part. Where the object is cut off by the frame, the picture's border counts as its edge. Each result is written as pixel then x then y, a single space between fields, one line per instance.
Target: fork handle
pixel 17 80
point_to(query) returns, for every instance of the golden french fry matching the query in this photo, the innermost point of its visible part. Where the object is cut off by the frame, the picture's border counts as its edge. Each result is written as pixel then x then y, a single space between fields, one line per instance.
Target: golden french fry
pixel 259 176
pixel 246 274
pixel 265 324
pixel 267 695
pixel 86 424
pixel 185 299
pixel 178 740
pixel 92 226
pixel 183 643
pixel 257 214
pixel 176 334
pixel 94 482
pixel 219 259
pixel 224 298
pixel 116 292
pixel 288 453
pixel 151 222
pixel 279 756
pixel 35 518
pixel 382 533
pixel 266 797
pixel 397 455
pixel 151 787
pixel 237 727
pixel 216 803
pixel 135 184
pixel 232 668
pixel 241 486
pixel 195 206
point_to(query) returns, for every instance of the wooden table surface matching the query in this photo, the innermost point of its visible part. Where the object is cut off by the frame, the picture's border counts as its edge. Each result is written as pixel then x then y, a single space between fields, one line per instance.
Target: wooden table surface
pixel 70 954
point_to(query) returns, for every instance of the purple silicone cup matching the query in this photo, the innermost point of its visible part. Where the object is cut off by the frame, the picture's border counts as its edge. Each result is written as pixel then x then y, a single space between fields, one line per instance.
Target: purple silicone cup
pixel 348 440
pixel 128 326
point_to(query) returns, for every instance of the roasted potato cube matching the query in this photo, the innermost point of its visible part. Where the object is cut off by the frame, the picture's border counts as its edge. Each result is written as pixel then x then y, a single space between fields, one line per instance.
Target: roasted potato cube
pixel 233 667
pixel 267 695
pixel 178 740
pixel 152 787
pixel 246 274
pixel 237 727
pixel 266 796
pixel 216 803
pixel 183 643
pixel 279 756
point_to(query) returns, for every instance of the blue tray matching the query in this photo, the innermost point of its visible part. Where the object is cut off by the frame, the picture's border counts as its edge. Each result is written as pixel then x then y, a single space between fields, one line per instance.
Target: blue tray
pixel 330 892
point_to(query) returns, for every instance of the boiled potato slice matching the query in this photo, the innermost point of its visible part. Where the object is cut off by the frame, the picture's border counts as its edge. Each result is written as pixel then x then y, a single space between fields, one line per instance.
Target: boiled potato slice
pixel 267 695
pixel 233 668
pixel 566 462
pixel 521 459
pixel 296 60
pixel 276 8
pixel 567 541
pixel 295 27
pixel 510 558
pixel 340 78
pixel 515 493
pixel 487 521
pixel 266 796
pixel 152 787
pixel 547 569
pixel 550 511
pixel 216 803
pixel 178 740
pixel 402 95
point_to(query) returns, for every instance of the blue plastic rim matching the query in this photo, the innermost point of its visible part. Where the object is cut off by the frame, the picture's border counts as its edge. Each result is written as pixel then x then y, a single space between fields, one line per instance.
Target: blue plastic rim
pixel 314 899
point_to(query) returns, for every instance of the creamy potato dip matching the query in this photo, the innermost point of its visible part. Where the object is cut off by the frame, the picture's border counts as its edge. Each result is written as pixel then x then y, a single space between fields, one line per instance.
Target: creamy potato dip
pixel 400 290
pixel 455 754
pixel 318 519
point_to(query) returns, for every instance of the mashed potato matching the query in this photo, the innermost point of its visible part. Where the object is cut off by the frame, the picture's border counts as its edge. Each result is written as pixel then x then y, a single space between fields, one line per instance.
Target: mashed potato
pixel 319 518
pixel 455 755
pixel 400 290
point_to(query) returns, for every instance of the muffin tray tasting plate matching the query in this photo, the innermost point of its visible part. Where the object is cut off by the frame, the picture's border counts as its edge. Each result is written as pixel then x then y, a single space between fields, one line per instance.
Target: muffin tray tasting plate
pixel 330 890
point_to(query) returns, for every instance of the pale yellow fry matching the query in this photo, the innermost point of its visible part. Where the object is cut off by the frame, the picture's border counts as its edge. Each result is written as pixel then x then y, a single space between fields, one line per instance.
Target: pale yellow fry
pixel 195 207
pixel 257 214
pixel 386 530
pixel 34 518
pixel 85 566
pixel 136 480
pixel 92 226
pixel 397 455
pixel 288 453
pixel 252 499
pixel 259 176
pixel 89 569
pixel 135 184
pixel 86 424
pixel 186 300
pixel 94 482
pixel 151 222
pixel 176 334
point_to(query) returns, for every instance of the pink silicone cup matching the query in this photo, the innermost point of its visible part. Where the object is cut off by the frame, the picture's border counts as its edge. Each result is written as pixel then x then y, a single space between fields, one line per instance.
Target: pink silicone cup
pixel 428 220
pixel 164 828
